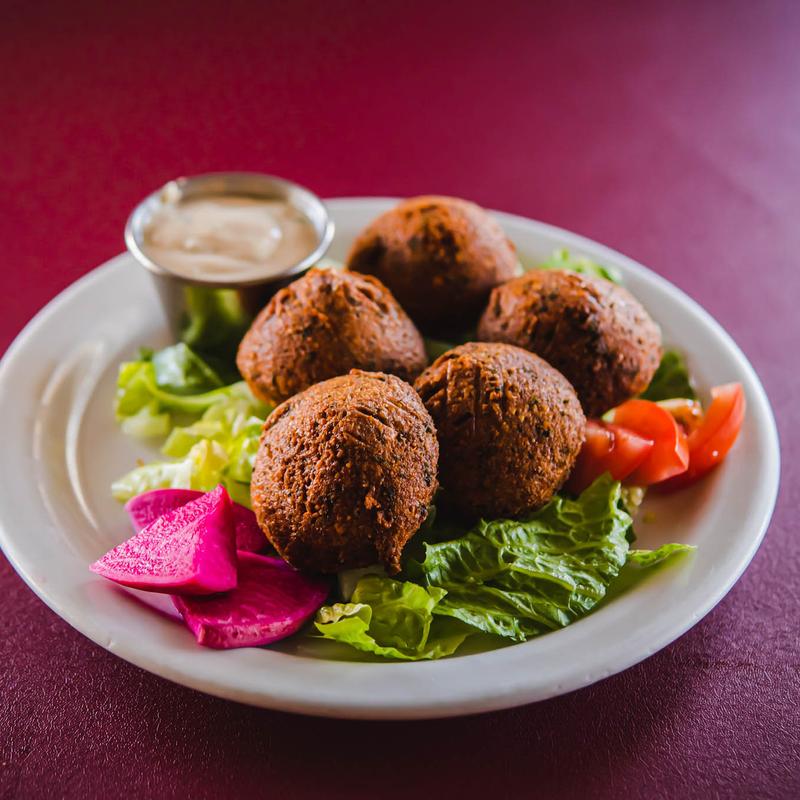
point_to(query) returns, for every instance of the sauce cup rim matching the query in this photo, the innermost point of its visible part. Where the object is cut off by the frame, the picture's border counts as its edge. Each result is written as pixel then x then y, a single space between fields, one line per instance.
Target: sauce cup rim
pixel 252 184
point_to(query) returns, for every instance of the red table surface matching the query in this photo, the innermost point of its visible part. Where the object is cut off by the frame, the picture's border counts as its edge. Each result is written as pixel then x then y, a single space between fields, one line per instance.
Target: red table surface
pixel 670 131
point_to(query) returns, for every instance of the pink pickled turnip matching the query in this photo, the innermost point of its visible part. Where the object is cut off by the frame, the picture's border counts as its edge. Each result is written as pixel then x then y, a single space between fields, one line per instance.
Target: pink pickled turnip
pixel 191 549
pixel 271 601
pixel 145 508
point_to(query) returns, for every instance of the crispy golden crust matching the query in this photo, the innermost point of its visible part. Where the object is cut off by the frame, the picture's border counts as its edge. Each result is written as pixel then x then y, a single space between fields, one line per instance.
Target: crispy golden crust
pixel 593 331
pixel 509 427
pixel 345 473
pixel 440 257
pixel 325 324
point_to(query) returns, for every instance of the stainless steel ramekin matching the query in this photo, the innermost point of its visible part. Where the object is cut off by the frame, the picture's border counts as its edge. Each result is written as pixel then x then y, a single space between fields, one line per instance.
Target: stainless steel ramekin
pixel 197 311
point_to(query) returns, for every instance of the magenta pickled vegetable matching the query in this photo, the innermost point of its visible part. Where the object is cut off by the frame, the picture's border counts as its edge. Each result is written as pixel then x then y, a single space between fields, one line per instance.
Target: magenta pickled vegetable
pixel 270 602
pixel 147 507
pixel 191 549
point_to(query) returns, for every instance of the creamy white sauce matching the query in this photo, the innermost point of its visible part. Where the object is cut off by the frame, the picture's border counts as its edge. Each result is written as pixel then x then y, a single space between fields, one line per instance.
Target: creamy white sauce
pixel 226 238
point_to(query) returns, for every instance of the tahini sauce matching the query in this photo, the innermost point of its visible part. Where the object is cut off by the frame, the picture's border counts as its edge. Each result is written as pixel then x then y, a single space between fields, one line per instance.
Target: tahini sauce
pixel 227 238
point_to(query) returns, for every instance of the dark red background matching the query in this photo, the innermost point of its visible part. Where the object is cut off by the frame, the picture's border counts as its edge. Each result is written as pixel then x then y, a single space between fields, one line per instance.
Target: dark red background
pixel 670 131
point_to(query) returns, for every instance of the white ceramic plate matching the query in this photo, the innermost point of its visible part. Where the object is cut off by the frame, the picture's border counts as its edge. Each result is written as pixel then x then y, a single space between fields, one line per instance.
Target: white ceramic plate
pixel 61 449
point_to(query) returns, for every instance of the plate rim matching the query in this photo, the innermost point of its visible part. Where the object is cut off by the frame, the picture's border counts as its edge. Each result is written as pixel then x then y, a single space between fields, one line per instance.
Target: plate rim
pixel 488 701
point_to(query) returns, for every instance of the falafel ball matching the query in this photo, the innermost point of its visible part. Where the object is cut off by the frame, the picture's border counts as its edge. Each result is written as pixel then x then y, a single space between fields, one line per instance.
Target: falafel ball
pixel 325 324
pixel 440 256
pixel 509 426
pixel 593 331
pixel 345 472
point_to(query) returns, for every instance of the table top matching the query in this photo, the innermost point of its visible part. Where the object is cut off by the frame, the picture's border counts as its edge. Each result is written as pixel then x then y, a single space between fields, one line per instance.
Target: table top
pixel 669 131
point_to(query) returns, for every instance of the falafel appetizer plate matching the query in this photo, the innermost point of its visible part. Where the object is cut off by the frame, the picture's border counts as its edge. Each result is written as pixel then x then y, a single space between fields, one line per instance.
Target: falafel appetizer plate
pixel 468 462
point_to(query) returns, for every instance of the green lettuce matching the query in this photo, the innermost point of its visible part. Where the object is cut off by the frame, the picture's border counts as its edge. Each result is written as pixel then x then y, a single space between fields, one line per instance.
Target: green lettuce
pixel 348 579
pixel 671 379
pixel 632 498
pixel 149 421
pixel 178 369
pixel 561 259
pixel 641 563
pixel 235 423
pixel 518 579
pixel 215 323
pixel 172 381
pixel 649 558
pixel 202 468
pixel 436 347
pixel 505 578
pixel 393 619
pixel 220 441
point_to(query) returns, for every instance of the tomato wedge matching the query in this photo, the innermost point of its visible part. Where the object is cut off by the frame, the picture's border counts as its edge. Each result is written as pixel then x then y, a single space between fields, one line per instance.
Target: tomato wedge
pixel 670 453
pixel 711 441
pixel 607 448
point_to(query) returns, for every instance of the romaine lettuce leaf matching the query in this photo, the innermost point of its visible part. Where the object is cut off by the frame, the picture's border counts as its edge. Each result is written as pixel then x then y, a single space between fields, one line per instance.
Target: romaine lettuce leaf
pixel 649 558
pixel 512 579
pixel 671 379
pixel 178 369
pixel 219 447
pixel 632 499
pixel 519 579
pixel 234 423
pixel 348 579
pixel 215 323
pixel 436 347
pixel 393 619
pixel 561 259
pixel 147 422
pixel 138 387
pixel 202 469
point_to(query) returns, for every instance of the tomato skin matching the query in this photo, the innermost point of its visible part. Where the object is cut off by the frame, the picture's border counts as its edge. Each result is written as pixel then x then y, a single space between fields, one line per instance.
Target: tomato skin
pixel 711 441
pixel 670 453
pixel 607 448
pixel 630 451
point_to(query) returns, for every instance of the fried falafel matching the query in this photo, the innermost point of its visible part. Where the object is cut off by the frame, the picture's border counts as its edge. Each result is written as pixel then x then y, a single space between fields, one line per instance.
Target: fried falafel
pixel 325 324
pixel 440 257
pixel 509 427
pixel 345 473
pixel 591 330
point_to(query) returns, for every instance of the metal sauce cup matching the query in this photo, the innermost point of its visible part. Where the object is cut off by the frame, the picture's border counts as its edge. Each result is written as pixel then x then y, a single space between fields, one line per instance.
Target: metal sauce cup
pixel 206 314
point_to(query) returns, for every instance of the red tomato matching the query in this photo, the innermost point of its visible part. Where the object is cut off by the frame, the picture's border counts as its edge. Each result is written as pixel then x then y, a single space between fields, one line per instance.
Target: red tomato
pixel 670 453
pixel 711 441
pixel 607 448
